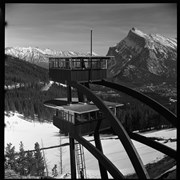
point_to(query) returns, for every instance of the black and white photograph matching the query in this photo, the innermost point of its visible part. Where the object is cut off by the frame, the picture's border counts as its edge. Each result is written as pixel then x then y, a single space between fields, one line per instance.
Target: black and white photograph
pixel 90 91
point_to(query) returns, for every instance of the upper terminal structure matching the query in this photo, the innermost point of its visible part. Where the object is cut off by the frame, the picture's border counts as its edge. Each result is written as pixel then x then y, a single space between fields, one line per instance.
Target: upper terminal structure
pixel 78 68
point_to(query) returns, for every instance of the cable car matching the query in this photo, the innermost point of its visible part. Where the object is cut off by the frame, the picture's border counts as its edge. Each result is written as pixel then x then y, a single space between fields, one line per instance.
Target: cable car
pixel 79 117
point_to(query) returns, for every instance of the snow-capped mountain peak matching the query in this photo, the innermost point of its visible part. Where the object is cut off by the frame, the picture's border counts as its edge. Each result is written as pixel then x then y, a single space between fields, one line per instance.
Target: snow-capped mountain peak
pixel 39 56
pixel 152 57
pixel 138 32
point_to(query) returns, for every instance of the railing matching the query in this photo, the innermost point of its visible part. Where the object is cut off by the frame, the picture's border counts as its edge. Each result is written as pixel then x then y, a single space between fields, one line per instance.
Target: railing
pixel 77 63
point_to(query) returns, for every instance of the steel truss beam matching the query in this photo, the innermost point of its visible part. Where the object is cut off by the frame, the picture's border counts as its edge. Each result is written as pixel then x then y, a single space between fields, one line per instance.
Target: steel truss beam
pixel 156 145
pixel 153 104
pixel 98 145
pixel 116 174
pixel 119 130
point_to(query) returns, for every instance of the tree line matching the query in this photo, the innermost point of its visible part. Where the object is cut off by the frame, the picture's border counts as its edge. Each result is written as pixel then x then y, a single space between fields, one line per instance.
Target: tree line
pixel 135 115
pixel 30 163
pixel 29 101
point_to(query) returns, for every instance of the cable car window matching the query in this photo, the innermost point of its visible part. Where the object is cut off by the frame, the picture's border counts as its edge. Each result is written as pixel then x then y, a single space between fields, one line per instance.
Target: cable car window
pixel 67 116
pixel 83 64
pixel 64 115
pixel 63 63
pixel 103 64
pixel 86 63
pixel 67 64
pixel 98 64
pixel 77 63
pixel 70 118
pixel 70 63
pixel 92 116
pixel 60 114
pixel 50 64
pixel 77 118
pixel 84 117
pixel 59 63
pixel 94 64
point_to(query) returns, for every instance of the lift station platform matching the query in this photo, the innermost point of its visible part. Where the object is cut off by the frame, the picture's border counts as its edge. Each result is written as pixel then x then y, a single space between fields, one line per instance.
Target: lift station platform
pixel 78 68
pixel 79 117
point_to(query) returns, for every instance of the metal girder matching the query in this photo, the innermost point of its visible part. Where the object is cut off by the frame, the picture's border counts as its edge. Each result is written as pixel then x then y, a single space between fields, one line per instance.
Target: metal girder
pixel 116 174
pixel 69 95
pixel 153 104
pixel 171 117
pixel 119 130
pixel 156 145
pixel 72 158
pixel 98 145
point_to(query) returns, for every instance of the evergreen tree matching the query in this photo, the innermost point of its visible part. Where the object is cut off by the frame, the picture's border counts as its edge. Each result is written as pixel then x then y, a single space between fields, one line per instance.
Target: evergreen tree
pixel 39 161
pixel 18 105
pixel 11 105
pixel 30 163
pixel 22 160
pixel 10 156
pixel 31 109
pixel 6 105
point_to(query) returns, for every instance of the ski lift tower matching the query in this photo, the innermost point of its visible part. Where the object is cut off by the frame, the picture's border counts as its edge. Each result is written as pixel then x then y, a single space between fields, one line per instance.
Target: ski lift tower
pixel 78 115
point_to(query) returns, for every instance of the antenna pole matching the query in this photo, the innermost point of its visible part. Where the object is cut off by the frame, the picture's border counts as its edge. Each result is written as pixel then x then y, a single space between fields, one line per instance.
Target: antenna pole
pixel 91 43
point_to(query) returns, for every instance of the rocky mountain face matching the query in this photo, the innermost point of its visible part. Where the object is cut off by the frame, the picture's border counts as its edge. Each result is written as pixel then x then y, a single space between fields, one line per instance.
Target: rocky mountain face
pixel 144 59
pixel 39 56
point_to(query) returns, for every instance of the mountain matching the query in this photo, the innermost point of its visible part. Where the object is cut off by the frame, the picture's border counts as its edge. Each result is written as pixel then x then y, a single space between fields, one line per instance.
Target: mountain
pixel 39 56
pixel 19 71
pixel 143 59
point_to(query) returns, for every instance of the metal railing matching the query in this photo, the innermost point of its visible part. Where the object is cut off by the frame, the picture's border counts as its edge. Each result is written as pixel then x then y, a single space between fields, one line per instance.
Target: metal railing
pixel 77 63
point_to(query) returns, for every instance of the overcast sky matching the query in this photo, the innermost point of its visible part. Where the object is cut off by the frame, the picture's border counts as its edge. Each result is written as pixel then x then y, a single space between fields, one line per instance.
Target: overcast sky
pixel 67 26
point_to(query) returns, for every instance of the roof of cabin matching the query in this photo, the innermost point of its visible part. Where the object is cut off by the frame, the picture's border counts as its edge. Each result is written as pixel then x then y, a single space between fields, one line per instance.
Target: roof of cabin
pixel 78 107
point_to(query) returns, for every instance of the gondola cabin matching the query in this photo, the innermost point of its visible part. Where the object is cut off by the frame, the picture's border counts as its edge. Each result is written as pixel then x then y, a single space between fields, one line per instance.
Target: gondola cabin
pixel 80 117
pixel 78 68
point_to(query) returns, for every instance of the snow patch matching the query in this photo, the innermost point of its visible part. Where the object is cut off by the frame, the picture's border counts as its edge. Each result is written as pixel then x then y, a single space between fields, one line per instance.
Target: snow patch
pixel 138 32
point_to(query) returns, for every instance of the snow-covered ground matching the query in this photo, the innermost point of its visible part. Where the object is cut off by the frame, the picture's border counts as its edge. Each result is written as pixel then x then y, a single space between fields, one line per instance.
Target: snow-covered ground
pixel 17 129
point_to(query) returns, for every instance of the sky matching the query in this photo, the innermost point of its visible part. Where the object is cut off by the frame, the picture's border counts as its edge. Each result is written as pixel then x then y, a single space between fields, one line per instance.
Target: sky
pixel 67 27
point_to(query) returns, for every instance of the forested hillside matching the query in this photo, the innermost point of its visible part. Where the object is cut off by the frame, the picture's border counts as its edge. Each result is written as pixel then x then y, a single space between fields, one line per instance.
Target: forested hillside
pixel 29 100
pixel 22 72
pixel 134 115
